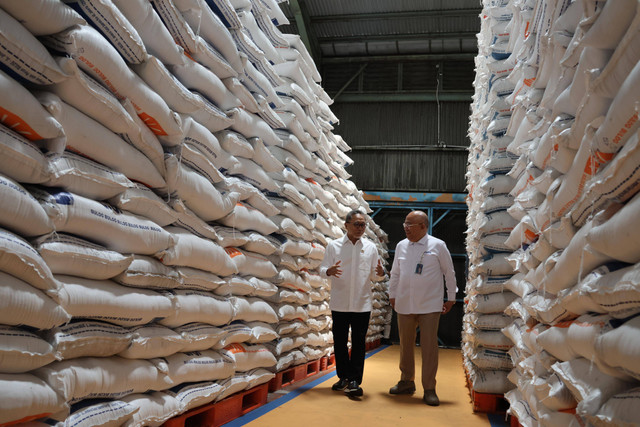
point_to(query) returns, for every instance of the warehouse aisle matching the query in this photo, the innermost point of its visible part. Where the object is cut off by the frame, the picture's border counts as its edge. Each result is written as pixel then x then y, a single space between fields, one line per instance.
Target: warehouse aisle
pixel 315 404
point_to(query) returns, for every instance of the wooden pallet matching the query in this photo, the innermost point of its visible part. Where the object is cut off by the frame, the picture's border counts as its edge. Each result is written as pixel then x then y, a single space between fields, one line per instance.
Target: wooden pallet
pixel 289 376
pixel 327 362
pixel 219 413
pixel 488 403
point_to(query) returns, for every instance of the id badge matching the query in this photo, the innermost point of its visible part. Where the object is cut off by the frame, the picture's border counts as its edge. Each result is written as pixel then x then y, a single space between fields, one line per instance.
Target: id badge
pixel 418 269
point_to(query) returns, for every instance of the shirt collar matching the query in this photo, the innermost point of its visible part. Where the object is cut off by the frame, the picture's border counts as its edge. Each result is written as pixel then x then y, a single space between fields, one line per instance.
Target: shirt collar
pixel 345 239
pixel 422 241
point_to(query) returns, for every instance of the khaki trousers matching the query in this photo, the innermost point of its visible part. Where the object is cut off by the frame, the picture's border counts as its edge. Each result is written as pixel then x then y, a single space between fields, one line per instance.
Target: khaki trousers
pixel 407 324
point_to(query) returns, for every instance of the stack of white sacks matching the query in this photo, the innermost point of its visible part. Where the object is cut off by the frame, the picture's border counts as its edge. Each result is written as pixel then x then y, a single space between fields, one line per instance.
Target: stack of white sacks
pixel 553 222
pixel 168 182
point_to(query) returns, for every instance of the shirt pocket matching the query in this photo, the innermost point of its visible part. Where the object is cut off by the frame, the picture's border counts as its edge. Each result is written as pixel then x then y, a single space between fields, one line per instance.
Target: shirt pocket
pixel 364 265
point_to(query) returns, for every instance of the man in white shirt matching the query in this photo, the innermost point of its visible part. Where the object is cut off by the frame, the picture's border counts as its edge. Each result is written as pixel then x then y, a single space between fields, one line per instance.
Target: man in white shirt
pixel 351 262
pixel 416 293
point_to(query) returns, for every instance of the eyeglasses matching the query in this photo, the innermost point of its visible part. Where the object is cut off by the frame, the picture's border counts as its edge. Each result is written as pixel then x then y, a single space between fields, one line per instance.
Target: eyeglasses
pixel 358 224
pixel 408 225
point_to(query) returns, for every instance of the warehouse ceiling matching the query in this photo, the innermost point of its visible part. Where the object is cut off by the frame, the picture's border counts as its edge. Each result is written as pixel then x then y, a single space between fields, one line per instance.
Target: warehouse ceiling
pixel 389 49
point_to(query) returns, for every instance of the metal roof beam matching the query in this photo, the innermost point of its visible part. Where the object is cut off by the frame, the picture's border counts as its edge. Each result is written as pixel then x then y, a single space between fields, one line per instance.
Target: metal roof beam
pixel 401 58
pixel 406 97
pixel 397 15
pixel 393 37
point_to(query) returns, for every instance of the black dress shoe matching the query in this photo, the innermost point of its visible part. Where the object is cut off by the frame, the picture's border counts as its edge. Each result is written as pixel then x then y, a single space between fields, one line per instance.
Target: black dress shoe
pixel 340 385
pixel 353 389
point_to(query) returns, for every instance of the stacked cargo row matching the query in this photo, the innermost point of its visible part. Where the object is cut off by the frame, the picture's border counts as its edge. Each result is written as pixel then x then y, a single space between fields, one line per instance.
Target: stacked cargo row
pixel 169 181
pixel 553 178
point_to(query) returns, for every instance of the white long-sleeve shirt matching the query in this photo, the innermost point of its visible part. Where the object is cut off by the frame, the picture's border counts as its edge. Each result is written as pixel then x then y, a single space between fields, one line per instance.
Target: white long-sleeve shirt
pixel 420 290
pixel 352 290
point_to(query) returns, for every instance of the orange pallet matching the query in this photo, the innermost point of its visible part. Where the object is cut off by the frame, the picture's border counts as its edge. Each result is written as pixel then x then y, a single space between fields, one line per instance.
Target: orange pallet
pixel 489 403
pixel 513 421
pixel 289 376
pixel 331 363
pixel 219 413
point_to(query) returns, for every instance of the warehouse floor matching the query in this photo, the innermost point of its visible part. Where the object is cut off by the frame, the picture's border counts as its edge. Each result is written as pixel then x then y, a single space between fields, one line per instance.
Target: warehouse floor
pixel 312 403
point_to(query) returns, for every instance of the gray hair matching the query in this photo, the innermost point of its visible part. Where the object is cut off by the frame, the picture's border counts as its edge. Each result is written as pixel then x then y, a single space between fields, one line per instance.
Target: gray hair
pixel 351 214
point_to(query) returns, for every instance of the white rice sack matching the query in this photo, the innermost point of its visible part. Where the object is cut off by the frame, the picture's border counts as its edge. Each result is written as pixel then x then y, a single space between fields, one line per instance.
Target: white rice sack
pixel 104 16
pixel 264 157
pixel 261 332
pixel 88 338
pixel 101 223
pixel 188 220
pixel 496 222
pixel 618 348
pixel 287 226
pixel 621 120
pixel 140 200
pixel 252 310
pixel 290 296
pixel 111 302
pixel 619 410
pixel 196 252
pixel 253 173
pixel 264 245
pixel 83 133
pixel 210 116
pixel 251 263
pixel 235 144
pixel 113 412
pixel 290 280
pixel 85 177
pixel 208 56
pixel 554 341
pixel 198 161
pixel 147 272
pixel 236 332
pixel 288 312
pixel 149 341
pixel 198 306
pixel 245 218
pixel 259 376
pixel 101 377
pixel 21 159
pixel 190 396
pixel 157 39
pixel 207 24
pixel 617 236
pixel 234 285
pixel 613 290
pixel 248 357
pixel 26 397
pixel 197 192
pixel 616 182
pixel 237 383
pixel 252 126
pixel 21 47
pixel 160 79
pixel 578 258
pixel 153 409
pixel 285 344
pixel 22 351
pixel 176 24
pixel 42 17
pixel 20 211
pixel 584 331
pixel 99 59
pixel 23 113
pixel 491 303
pixel 73 256
pixel 193 278
pixel 21 260
pixel 228 236
pixel 589 386
pixel 199 336
pixel 292 211
pixel 198 78
pixel 86 95
pixel 197 366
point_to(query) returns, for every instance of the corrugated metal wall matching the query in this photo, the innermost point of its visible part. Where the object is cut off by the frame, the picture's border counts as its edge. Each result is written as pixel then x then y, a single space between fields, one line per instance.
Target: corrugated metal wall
pixel 395 145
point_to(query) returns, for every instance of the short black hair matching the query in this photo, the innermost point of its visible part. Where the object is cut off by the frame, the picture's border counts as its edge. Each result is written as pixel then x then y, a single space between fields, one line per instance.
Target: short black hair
pixel 351 214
